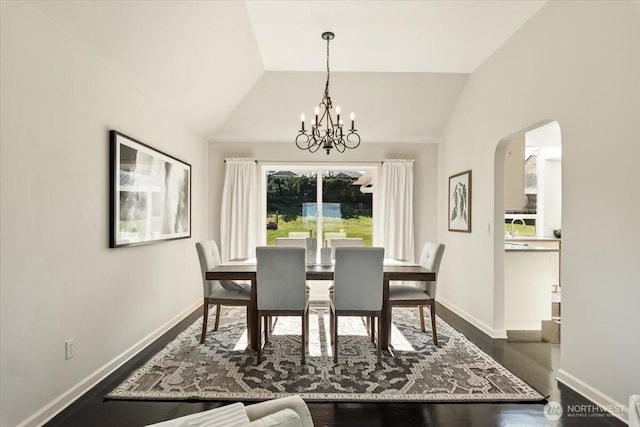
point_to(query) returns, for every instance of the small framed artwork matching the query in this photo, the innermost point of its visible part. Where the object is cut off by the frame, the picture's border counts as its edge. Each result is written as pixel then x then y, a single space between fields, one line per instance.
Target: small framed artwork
pixel 150 194
pixel 460 202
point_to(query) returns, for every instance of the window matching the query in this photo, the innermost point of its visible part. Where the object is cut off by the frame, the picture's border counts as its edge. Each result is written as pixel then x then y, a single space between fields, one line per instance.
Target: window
pixel 316 200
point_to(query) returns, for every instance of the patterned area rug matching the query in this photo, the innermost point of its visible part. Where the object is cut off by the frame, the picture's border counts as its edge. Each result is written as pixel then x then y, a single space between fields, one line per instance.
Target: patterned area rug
pixel 222 368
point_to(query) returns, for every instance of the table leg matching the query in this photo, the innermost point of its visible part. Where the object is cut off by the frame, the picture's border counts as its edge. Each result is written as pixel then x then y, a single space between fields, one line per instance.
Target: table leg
pixel 384 335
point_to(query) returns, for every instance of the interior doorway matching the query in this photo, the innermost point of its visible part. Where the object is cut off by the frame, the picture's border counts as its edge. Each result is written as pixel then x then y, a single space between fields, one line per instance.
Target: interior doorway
pixel 528 234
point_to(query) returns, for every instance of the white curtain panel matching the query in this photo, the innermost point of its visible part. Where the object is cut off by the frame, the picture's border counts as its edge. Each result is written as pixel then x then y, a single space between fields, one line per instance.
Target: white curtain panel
pixel 239 211
pixel 394 211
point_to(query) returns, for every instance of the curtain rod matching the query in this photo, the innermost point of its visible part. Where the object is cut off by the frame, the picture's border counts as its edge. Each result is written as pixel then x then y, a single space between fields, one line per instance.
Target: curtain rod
pixel 394 160
pixel 303 163
pixel 382 162
pixel 225 161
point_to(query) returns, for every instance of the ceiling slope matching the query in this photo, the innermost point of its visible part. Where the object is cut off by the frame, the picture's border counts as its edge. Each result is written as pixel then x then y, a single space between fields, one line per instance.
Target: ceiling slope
pixel 197 60
pixel 385 36
pixel 389 107
pixel 400 65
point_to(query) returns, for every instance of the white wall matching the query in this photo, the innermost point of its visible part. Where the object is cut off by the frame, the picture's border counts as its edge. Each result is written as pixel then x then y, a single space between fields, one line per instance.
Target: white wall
pixel 577 63
pixel 549 196
pixel 425 173
pixel 548 142
pixel 514 198
pixel 58 278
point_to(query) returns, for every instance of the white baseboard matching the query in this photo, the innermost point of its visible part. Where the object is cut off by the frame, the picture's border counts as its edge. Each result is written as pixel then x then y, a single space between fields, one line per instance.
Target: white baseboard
pixel 614 407
pixel 61 402
pixel 493 333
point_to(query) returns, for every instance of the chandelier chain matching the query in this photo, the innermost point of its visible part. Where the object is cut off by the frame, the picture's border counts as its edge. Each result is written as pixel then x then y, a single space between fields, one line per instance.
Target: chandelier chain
pixel 326 87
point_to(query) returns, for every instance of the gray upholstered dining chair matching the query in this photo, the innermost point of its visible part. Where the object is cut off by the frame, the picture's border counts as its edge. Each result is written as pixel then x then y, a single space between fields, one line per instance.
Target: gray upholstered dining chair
pixel 344 242
pixel 218 292
pixel 281 288
pixel 358 278
pixel 297 242
pixel 309 243
pixel 291 242
pixel 421 293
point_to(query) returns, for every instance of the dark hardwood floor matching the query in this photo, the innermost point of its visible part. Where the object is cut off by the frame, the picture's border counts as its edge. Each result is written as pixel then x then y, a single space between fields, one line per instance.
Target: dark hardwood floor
pixel 536 363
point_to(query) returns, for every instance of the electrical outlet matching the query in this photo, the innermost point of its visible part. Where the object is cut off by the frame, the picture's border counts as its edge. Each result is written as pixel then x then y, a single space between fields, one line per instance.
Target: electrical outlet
pixel 70 348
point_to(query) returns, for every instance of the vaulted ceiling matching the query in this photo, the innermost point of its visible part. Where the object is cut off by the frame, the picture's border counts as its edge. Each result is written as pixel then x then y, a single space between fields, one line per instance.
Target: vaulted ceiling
pixel 245 70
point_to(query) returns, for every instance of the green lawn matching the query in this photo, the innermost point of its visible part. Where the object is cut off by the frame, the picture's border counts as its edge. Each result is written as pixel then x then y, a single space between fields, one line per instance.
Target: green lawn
pixel 520 230
pixel 361 226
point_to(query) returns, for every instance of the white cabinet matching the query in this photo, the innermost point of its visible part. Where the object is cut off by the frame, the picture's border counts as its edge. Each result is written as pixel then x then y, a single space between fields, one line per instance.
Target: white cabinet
pixel 554 259
pixel 528 277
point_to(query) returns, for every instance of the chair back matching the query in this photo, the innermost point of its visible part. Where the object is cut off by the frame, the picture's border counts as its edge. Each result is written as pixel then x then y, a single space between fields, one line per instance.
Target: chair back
pixel 358 278
pixel 281 278
pixel 344 242
pixel 299 234
pixel 291 242
pixel 333 235
pixel 430 259
pixel 209 257
pixel 309 243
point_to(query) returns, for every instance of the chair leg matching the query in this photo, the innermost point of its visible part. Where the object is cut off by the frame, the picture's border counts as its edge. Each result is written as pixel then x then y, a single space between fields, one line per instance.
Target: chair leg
pixel 259 340
pixel 421 311
pixel 267 326
pixel 272 323
pixel 379 349
pixel 205 316
pixel 371 321
pixel 249 325
pixel 433 321
pixel 335 338
pixel 215 327
pixel 307 316
pixel 331 325
pixel 304 336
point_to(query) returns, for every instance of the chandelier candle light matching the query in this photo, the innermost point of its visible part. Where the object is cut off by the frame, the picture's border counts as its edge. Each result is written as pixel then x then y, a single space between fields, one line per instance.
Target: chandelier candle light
pixel 325 131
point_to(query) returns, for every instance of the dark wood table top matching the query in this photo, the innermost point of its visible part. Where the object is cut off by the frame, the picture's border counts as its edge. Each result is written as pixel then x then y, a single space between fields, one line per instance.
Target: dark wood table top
pixel 393 270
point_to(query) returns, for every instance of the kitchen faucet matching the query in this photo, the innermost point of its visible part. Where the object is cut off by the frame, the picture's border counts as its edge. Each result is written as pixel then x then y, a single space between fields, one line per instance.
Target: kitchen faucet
pixel 513 221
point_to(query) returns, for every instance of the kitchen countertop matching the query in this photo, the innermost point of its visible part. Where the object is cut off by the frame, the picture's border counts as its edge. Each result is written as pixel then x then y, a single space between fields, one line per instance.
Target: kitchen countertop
pixel 532 238
pixel 527 247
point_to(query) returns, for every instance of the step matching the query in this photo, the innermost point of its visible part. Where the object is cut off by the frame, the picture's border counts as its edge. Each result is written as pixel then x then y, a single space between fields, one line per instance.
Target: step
pixel 551 331
pixel 555 309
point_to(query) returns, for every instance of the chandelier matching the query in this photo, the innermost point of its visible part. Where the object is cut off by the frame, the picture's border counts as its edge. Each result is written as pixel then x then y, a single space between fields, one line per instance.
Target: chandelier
pixel 327 132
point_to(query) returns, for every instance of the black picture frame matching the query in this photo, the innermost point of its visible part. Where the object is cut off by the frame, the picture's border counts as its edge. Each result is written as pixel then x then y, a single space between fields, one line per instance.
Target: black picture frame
pixel 460 202
pixel 149 194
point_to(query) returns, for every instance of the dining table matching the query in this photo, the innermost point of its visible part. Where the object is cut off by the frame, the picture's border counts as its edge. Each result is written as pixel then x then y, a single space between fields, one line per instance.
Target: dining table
pixel 394 270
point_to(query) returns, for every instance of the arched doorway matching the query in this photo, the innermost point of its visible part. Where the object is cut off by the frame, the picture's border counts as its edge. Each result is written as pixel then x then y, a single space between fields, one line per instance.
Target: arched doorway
pixel 527 210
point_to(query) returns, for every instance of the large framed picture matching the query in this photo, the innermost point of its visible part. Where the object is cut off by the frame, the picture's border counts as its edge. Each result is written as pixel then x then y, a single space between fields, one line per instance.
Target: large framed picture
pixel 460 202
pixel 150 194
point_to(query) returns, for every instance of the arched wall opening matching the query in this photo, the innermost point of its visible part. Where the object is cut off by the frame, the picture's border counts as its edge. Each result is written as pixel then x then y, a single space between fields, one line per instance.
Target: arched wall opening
pixel 549 129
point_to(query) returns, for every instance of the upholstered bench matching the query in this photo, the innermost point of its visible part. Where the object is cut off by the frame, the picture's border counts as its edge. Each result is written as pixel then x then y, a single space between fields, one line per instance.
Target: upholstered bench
pixel 289 411
pixel 634 410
